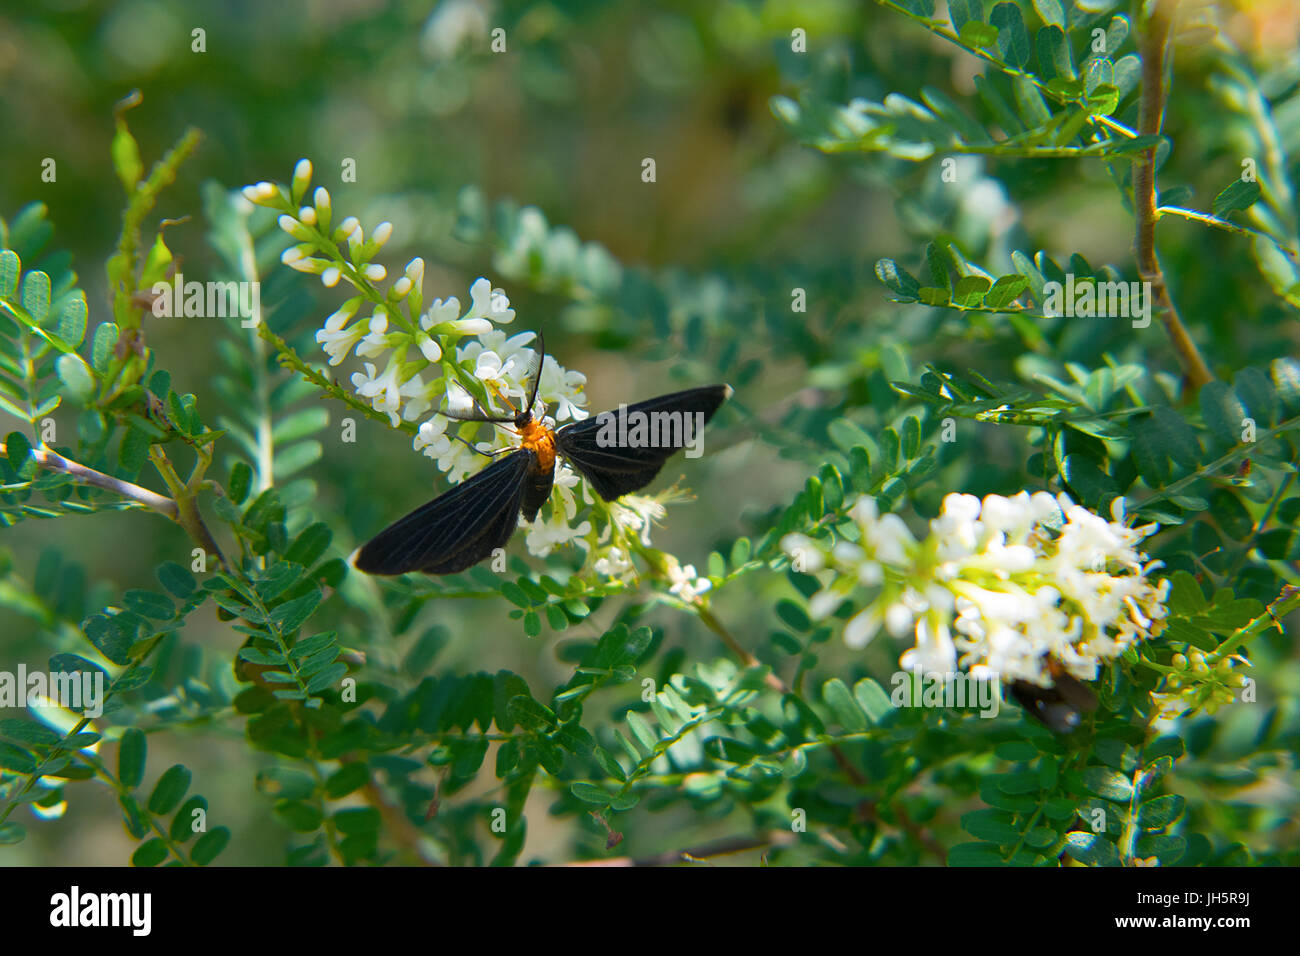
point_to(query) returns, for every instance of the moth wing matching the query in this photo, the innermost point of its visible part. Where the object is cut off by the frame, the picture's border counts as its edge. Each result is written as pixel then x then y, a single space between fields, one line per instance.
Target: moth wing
pixel 616 469
pixel 457 529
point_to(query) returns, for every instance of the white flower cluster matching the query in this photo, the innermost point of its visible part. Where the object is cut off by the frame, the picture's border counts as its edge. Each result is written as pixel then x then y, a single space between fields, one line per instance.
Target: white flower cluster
pixel 999 586
pixel 416 361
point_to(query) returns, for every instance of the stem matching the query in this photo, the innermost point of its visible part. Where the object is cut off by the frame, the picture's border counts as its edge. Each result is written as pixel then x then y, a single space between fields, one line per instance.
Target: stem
pixel 53 461
pixel 292 360
pixel 187 515
pixel 175 849
pixel 1153 44
pixel 749 660
pixel 1286 602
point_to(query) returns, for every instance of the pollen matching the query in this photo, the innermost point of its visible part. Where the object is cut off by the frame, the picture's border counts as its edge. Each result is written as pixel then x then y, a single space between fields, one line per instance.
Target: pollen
pixel 541 440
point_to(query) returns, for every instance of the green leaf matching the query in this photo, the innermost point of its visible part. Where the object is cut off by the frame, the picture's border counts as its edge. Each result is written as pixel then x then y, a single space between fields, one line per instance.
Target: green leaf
pixel 182 827
pixel 873 700
pixel 170 789
pixel 176 579
pixel 975 854
pixel 1092 849
pixel 962 12
pixel 1160 812
pixel 608 763
pixel 1016 750
pixel 298 815
pixel 28 733
pixel 16 759
pixel 300 424
pixel 576 740
pixel 1253 387
pixel 355 820
pixel 1090 485
pixel 150 853
pixel 71 326
pixel 1236 195
pixel 330 676
pixel 310 544
pixel 1223 411
pixel 793 615
pixel 969 291
pixel 897 279
pixel 133 451
pixel 978 34
pixel 241 479
pixel 641 731
pixel 1012 37
pixel 101 350
pixel 1050 12
pixel 1101 97
pixel 35 296
pixel 348 778
pixel 1107 783
pixel 1005 291
pixel 130 758
pixel 11 268
pixel 995 826
pixel 729 750
pixel 149 604
pixel 293 614
pixel 76 376
pixel 589 793
pixel 1286 380
pixel 1166 848
pixel 209 846
pixel 530 714
pixel 17 449
pixel 837 697
pixel 939 260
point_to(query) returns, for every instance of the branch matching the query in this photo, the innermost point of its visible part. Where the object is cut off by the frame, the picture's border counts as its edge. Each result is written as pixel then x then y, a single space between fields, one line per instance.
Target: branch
pixel 53 461
pixel 1153 44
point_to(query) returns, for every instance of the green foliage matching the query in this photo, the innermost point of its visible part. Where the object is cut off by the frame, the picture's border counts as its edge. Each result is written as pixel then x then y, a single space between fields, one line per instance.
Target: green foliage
pixel 537 710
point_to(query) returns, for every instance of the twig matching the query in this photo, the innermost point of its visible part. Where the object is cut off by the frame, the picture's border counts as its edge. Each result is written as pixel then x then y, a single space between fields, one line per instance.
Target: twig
pixel 776 683
pixel 53 461
pixel 1153 43
pixel 187 512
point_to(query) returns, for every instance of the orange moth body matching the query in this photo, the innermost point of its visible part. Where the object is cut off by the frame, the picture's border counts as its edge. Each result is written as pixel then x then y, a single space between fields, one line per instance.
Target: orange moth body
pixel 541 441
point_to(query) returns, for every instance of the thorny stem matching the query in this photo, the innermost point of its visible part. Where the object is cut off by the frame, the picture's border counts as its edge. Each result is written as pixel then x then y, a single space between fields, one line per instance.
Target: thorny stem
pixel 1153 44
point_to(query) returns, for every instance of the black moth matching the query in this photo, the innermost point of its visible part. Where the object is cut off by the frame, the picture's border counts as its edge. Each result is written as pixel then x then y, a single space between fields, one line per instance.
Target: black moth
pixel 466 524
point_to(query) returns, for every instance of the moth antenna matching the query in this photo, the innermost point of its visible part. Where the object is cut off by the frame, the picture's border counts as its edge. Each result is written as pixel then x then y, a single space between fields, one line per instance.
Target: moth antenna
pixel 535 371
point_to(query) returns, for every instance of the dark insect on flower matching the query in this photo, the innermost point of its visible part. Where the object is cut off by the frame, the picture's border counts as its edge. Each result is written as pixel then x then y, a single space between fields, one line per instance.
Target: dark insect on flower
pixel 466 524
pixel 1060 707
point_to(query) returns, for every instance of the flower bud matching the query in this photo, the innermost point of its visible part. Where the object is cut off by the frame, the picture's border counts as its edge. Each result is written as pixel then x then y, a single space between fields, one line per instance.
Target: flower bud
pixel 301 180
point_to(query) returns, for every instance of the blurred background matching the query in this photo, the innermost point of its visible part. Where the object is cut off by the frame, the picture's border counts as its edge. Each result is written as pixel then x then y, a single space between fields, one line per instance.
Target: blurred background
pixel 739 215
